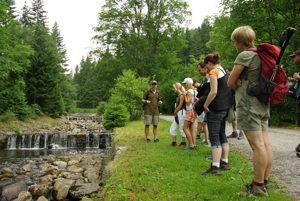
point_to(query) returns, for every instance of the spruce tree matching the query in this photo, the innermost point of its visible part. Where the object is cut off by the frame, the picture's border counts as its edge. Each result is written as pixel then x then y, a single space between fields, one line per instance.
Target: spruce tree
pixel 13 61
pixel 44 74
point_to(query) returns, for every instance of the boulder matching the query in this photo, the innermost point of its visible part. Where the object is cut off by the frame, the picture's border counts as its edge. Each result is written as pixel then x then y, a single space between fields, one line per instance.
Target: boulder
pixel 47 179
pixel 61 164
pixel 61 188
pixel 10 190
pixel 42 198
pixel 75 169
pixel 82 190
pixel 24 196
pixel 6 170
pixel 39 190
pixel 25 168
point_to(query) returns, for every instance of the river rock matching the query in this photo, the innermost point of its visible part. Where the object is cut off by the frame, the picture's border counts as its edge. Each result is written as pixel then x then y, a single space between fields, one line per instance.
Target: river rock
pixel 75 169
pixel 51 158
pixel 47 179
pixel 54 172
pixel 39 190
pixel 61 188
pixel 61 164
pixel 6 170
pixel 73 162
pixel 24 196
pixel 12 190
pixel 81 190
pixel 21 177
pixel 25 168
pixel 42 198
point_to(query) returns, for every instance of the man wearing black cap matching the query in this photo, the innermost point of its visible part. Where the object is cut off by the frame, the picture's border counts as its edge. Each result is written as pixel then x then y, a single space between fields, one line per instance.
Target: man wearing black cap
pixel 295 79
pixel 151 99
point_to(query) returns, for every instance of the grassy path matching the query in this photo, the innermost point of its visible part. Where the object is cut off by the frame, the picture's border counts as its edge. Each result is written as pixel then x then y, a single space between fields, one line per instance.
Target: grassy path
pixel 156 171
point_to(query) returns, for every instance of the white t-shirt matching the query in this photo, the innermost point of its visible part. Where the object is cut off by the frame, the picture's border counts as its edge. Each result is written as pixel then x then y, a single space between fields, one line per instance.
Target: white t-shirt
pixel 190 106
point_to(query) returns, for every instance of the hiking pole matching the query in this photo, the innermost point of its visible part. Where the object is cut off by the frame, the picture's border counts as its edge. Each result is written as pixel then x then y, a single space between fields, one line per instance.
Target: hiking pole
pixel 283 43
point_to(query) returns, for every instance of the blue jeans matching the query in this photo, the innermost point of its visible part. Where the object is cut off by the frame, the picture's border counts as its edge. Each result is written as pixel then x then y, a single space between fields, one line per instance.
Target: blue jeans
pixel 216 128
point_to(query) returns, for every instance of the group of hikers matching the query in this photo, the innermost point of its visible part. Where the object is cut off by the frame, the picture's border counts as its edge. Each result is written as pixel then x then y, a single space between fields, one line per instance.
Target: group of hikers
pixel 222 90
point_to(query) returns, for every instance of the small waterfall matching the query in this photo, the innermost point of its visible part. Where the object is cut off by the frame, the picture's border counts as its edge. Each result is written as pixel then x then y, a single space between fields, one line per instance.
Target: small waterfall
pixel 59 141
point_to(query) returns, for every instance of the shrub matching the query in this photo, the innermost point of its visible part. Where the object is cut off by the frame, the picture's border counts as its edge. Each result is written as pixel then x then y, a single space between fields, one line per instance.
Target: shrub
pixel 8 115
pixel 101 108
pixel 115 116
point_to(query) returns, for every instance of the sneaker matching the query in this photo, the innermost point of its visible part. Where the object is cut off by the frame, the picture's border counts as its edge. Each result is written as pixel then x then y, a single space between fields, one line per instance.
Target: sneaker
pixel 182 144
pixel 234 134
pixel 213 170
pixel 298 148
pixel 189 148
pixel 224 165
pixel 241 135
pixel 207 143
pixel 255 190
pixel 156 140
pixel 174 144
pixel 148 140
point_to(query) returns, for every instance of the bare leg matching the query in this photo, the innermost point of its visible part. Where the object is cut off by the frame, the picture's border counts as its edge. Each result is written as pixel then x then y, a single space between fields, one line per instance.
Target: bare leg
pixel 155 131
pixel 193 135
pixel 216 154
pixel 269 153
pixel 206 131
pixel 225 151
pixel 234 125
pixel 186 126
pixel 260 155
pixel 147 131
pixel 199 128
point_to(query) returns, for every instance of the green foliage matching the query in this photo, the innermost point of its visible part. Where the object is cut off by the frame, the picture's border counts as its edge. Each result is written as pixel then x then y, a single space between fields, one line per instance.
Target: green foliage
pixel 115 116
pixel 128 91
pixel 289 116
pixel 101 108
pixel 7 116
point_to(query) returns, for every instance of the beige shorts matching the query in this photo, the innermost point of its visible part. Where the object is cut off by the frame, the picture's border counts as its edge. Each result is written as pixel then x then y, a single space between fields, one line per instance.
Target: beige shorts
pixel 151 119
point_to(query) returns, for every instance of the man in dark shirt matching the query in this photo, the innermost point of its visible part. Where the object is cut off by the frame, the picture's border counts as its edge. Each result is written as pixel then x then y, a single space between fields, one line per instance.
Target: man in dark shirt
pixel 151 99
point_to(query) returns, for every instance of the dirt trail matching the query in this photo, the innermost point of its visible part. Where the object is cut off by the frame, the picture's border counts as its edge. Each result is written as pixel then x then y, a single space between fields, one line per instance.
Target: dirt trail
pixel 286 165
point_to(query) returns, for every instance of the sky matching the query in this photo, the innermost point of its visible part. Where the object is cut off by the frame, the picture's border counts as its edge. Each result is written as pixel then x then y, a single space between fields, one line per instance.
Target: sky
pixel 76 19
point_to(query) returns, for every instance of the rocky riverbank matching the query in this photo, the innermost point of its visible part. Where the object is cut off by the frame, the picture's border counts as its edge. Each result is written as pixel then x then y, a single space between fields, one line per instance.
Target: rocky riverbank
pixel 68 176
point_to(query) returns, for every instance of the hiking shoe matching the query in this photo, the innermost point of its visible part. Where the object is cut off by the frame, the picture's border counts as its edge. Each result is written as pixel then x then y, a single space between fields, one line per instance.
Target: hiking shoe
pixel 241 135
pixel 267 186
pixel 198 137
pixel 156 140
pixel 298 148
pixel 189 148
pixel 224 165
pixel 182 144
pixel 255 190
pixel 213 170
pixel 174 144
pixel 298 154
pixel 234 134
pixel 148 140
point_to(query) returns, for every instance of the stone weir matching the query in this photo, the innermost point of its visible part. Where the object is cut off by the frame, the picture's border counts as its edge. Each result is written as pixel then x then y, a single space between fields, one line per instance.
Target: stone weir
pixel 75 131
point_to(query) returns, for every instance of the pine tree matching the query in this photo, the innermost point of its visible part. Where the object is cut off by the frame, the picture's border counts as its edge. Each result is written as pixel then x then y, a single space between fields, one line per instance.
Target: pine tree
pixel 13 60
pixel 44 75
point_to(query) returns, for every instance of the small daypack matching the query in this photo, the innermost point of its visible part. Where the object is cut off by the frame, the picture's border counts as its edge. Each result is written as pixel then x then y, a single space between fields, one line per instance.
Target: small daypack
pixel 272 86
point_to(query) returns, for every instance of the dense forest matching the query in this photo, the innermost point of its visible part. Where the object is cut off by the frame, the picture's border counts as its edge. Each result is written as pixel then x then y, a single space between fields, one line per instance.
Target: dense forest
pixel 138 41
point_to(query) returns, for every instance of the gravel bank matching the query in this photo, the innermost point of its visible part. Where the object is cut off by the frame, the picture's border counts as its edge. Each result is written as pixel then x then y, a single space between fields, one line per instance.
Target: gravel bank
pixel 286 164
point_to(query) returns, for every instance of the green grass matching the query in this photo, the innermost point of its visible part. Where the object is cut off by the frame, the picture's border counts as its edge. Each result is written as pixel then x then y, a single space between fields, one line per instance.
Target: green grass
pixel 156 171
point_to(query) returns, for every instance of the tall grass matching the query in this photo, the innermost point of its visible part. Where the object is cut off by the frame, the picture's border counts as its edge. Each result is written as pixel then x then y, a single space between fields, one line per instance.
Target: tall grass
pixel 156 171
